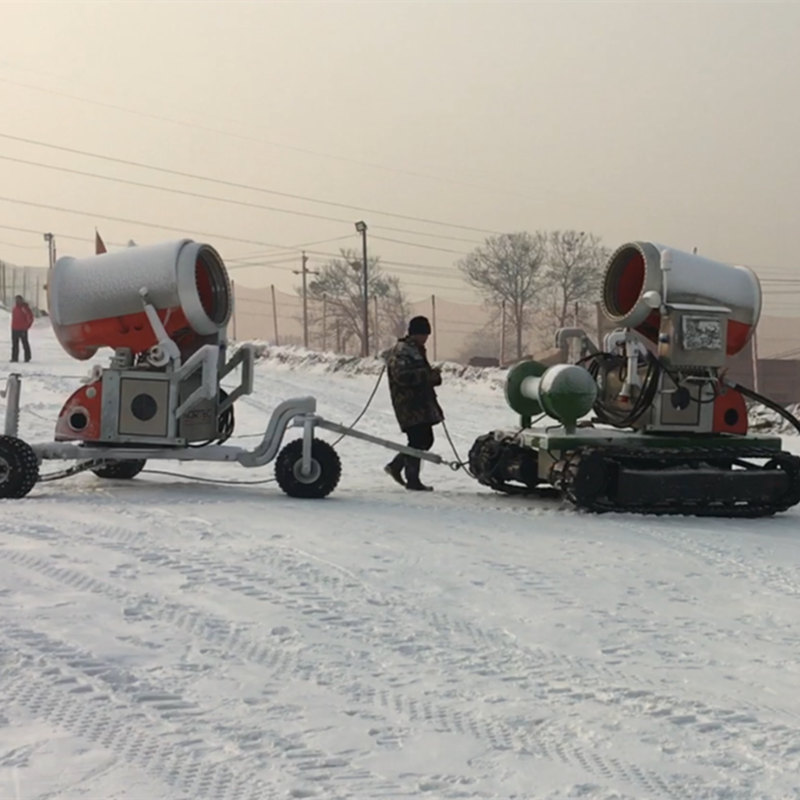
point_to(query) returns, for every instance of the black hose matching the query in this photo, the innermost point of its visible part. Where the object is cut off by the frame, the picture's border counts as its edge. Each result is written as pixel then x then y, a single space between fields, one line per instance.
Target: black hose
pixel 611 416
pixel 765 401
pixel 81 466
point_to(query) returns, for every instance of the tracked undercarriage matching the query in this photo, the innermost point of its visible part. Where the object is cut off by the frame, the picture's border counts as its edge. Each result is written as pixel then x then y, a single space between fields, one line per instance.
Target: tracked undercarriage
pixel 735 479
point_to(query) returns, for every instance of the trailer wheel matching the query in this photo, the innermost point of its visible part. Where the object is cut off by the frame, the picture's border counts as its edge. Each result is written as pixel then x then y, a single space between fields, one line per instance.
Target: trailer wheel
pixel 326 469
pixel 19 467
pixel 120 470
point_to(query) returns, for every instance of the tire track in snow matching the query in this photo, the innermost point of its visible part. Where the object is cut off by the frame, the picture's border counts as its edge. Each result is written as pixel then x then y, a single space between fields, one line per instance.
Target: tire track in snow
pixel 508 666
pixel 776 578
pixel 158 730
pixel 672 644
pixel 549 740
pixel 496 734
pixel 557 741
pixel 58 684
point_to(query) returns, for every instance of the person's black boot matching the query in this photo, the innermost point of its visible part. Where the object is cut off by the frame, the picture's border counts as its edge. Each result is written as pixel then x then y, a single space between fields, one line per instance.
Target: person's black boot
pixel 412 476
pixel 395 468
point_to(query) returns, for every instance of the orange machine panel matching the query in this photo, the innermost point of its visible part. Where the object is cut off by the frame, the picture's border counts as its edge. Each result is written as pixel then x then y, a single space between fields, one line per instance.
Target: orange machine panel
pixel 730 412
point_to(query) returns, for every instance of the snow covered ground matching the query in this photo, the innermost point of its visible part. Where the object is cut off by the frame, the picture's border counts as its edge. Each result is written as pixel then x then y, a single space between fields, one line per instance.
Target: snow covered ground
pixel 164 639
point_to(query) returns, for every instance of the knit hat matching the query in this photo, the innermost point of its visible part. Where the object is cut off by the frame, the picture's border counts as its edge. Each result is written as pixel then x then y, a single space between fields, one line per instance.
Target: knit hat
pixel 419 325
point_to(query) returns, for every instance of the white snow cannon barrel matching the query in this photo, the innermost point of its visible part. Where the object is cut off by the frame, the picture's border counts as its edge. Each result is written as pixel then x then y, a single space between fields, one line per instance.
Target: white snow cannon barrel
pixel 641 277
pixel 98 301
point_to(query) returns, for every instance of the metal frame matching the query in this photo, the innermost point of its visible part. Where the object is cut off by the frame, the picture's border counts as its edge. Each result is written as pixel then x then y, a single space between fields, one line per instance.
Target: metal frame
pixel 296 412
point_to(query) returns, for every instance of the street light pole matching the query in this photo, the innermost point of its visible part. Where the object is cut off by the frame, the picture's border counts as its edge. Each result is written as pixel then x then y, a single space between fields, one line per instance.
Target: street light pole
pixel 361 227
pixel 51 249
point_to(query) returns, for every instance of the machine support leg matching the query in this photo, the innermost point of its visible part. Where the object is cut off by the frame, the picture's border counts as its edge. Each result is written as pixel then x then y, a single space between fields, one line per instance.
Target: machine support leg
pixel 11 394
pixel 308 437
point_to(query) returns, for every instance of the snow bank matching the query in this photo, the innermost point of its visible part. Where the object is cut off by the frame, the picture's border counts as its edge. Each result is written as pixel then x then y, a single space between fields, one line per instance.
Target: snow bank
pixel 295 358
pixel 764 420
pixel 298 358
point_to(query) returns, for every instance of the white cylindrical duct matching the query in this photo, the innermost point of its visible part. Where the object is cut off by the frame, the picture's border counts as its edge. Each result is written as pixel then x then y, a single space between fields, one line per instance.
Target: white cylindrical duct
pixel 639 271
pixel 97 302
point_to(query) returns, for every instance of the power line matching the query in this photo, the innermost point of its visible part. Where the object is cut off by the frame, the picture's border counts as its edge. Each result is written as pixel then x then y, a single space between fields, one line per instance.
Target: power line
pixel 294 249
pixel 20 246
pixel 169 189
pixel 424 270
pixel 295 148
pixel 407 264
pixel 248 187
pixel 127 221
pixel 424 246
pixel 39 233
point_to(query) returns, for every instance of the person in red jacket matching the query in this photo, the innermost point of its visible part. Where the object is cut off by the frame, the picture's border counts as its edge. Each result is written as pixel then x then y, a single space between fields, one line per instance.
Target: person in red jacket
pixel 21 321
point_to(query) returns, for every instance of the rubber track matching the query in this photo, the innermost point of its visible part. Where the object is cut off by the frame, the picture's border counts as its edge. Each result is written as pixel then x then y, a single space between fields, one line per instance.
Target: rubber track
pixel 678 505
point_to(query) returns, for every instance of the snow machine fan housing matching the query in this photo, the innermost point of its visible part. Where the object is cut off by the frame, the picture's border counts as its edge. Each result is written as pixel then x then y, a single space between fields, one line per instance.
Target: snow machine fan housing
pixel 98 301
pixel 644 279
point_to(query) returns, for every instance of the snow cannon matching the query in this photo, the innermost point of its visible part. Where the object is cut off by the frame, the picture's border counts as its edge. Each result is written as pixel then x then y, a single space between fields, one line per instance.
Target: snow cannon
pixel 669 434
pixel 565 392
pixel 677 299
pixel 103 300
pixel 163 311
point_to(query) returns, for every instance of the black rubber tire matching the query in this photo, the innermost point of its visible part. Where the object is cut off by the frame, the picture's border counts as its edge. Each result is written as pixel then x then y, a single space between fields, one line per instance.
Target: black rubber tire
pixel 120 470
pixel 326 469
pixel 19 467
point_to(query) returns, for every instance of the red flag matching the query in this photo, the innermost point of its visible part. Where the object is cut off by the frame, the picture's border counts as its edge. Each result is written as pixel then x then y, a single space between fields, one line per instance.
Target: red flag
pixel 99 245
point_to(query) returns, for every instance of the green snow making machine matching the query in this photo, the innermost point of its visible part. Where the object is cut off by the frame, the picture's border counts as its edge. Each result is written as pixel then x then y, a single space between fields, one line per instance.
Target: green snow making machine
pixel 649 423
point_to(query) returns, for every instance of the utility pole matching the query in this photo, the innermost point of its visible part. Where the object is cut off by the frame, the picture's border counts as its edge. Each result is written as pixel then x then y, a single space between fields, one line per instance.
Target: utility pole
pixel 376 328
pixel 361 227
pixel 324 323
pixel 304 271
pixel 274 314
pixel 754 353
pixel 503 334
pixel 433 324
pixel 233 310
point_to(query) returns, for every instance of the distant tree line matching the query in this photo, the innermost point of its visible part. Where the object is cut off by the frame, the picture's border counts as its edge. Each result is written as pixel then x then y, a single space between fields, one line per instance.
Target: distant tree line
pixel 533 283
pixel 541 281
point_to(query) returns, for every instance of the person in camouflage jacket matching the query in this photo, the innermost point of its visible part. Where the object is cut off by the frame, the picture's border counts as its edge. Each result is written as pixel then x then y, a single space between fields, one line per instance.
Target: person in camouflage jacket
pixel 411 384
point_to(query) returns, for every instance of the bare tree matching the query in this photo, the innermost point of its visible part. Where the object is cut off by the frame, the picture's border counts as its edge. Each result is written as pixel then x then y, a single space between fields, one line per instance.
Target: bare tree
pixel 340 283
pixel 395 312
pixel 484 343
pixel 573 271
pixel 507 269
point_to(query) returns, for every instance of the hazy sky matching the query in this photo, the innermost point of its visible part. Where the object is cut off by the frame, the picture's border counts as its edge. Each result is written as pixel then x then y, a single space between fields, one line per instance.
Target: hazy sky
pixel 677 122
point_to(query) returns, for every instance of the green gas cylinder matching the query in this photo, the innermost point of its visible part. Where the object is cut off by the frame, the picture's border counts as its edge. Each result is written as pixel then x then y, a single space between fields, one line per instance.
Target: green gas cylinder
pixel 565 392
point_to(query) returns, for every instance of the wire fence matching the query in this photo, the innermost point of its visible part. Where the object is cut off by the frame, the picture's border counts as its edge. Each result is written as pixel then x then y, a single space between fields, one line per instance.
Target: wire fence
pixel 29 282
pixel 460 331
